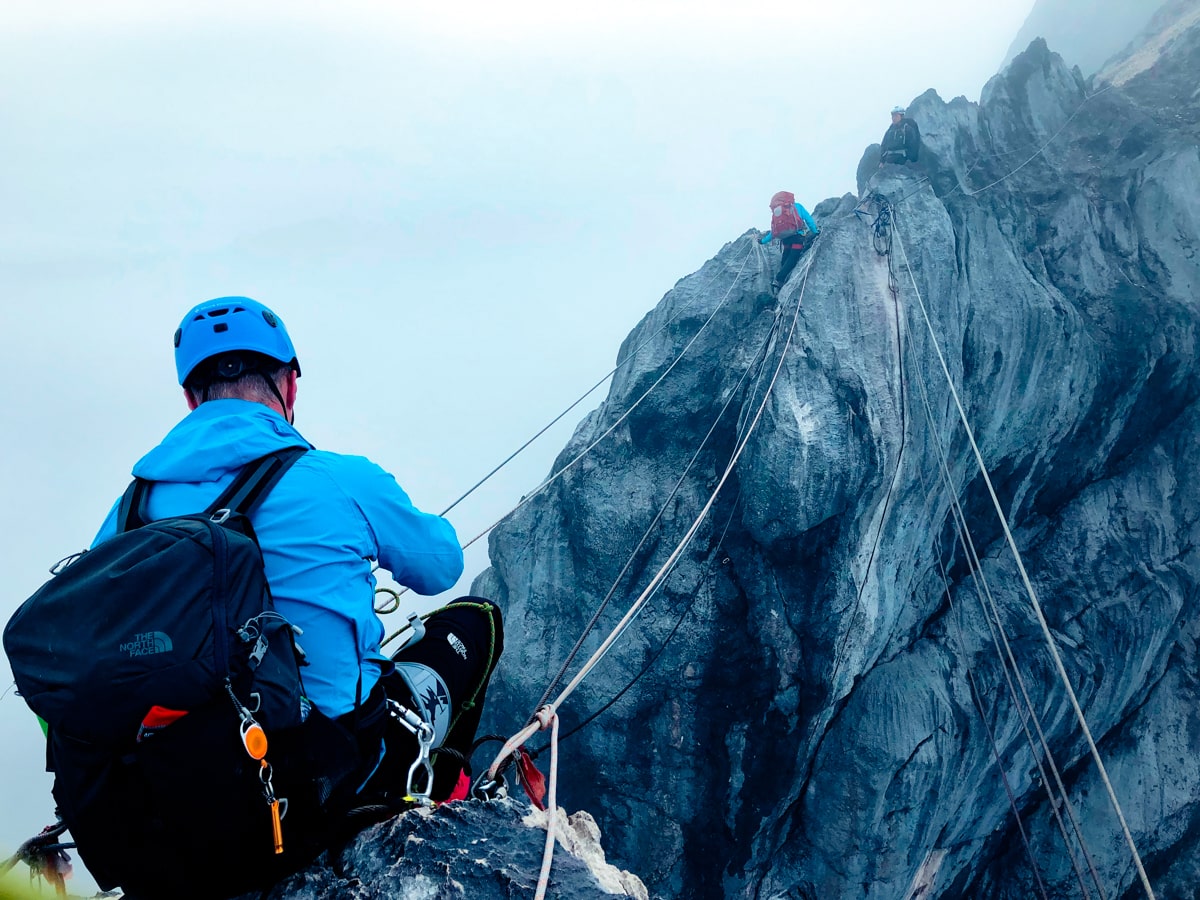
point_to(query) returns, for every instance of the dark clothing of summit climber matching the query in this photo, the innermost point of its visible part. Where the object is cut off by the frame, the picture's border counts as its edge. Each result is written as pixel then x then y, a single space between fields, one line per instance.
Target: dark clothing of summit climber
pixel 901 142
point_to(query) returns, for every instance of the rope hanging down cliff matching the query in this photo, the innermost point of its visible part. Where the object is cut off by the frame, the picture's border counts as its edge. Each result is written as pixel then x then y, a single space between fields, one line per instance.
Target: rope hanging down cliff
pixel 756 363
pixel 629 357
pixel 392 605
pixel 1029 589
pixel 882 226
pixel 1008 666
pixel 546 716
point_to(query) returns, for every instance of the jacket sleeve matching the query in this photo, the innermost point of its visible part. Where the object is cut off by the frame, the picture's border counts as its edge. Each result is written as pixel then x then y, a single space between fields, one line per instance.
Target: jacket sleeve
pixel 808 220
pixel 420 549
pixel 766 238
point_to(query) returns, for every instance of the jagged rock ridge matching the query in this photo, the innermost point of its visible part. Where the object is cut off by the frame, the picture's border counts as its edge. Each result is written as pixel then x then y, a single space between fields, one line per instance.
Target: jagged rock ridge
pixel 820 721
pixel 475 849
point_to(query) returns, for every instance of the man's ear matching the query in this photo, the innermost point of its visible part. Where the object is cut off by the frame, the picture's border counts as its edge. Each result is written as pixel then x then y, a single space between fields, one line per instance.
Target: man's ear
pixel 290 388
pixel 191 400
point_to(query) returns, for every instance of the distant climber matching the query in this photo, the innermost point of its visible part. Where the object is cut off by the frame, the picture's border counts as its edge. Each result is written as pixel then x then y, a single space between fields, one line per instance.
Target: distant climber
pixel 902 141
pixel 152 797
pixel 794 228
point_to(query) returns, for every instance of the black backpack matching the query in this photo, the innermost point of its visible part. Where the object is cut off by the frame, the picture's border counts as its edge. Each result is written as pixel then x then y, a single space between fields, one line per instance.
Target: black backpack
pixel 178 731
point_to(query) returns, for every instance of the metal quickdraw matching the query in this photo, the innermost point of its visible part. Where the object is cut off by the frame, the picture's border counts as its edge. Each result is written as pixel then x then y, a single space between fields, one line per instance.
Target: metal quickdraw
pixel 423 732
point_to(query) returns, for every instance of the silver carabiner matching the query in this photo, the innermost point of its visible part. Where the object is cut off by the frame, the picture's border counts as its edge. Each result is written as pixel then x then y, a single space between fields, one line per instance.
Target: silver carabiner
pixel 425 741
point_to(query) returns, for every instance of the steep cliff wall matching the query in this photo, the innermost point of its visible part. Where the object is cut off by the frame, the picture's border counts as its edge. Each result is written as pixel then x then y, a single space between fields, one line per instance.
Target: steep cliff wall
pixel 824 711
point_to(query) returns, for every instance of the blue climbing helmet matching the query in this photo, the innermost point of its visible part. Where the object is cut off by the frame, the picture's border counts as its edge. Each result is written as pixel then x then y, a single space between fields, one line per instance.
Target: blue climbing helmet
pixel 228 324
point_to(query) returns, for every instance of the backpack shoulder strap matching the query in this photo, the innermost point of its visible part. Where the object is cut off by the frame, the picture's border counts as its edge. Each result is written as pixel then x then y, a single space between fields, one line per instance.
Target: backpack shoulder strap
pixel 255 480
pixel 131 513
pixel 247 491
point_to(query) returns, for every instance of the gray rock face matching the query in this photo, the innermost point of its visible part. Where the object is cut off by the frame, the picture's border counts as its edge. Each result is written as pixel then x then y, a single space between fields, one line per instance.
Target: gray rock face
pixel 477 850
pixel 819 703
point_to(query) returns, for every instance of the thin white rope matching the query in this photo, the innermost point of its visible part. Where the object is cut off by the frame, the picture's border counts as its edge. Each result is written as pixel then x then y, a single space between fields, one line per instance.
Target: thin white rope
pixel 603 649
pixel 1042 148
pixel 551 813
pixel 755 363
pixel 557 475
pixel 696 295
pixel 1037 606
pixel 955 617
pixel 395 595
pixel 995 623
pixel 542 716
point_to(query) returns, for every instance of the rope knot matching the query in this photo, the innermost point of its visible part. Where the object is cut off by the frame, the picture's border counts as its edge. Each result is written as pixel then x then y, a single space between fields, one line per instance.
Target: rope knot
pixel 544 717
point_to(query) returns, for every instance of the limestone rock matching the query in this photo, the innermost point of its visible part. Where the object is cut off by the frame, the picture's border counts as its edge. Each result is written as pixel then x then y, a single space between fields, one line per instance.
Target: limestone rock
pixel 816 703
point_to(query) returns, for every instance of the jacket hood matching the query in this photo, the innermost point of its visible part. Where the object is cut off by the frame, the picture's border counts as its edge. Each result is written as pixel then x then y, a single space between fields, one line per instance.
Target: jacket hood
pixel 216 438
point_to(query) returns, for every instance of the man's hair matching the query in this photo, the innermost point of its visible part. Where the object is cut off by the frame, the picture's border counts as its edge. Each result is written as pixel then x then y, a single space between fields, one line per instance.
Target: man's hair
pixel 239 375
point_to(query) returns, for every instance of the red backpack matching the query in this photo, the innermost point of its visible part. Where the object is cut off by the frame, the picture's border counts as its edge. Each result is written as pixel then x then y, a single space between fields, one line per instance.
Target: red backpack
pixel 785 221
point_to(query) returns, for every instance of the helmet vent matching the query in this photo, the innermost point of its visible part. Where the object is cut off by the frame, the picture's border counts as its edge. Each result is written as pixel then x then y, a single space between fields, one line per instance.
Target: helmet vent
pixel 221 326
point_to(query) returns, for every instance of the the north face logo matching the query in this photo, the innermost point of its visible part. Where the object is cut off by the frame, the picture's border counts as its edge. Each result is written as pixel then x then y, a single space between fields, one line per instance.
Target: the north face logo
pixel 459 647
pixel 147 643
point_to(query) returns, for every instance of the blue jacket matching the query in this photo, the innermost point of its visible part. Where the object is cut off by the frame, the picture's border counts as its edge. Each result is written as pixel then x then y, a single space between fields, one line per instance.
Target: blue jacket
pixel 319 529
pixel 808 220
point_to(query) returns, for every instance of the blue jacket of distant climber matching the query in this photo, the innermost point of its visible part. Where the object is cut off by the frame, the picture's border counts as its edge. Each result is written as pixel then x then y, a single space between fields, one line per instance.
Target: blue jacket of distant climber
pixel 319 529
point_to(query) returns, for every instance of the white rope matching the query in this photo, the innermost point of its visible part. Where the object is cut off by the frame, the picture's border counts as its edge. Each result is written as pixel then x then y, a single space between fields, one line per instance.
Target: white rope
pixel 557 475
pixel 603 649
pixel 1042 148
pixel 542 717
pixel 755 363
pixel 1037 606
pixel 995 624
pixel 551 813
pixel 395 595
pixel 696 295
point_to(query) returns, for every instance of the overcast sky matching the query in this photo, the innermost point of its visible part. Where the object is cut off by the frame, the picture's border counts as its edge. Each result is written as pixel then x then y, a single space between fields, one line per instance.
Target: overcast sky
pixel 460 210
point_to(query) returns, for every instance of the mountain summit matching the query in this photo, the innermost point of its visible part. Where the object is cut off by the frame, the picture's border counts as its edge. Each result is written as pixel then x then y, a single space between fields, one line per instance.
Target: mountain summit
pixel 843 686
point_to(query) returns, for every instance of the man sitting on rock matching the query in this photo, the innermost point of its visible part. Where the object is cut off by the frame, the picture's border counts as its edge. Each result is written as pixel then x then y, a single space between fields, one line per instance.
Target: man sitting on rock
pixel 902 141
